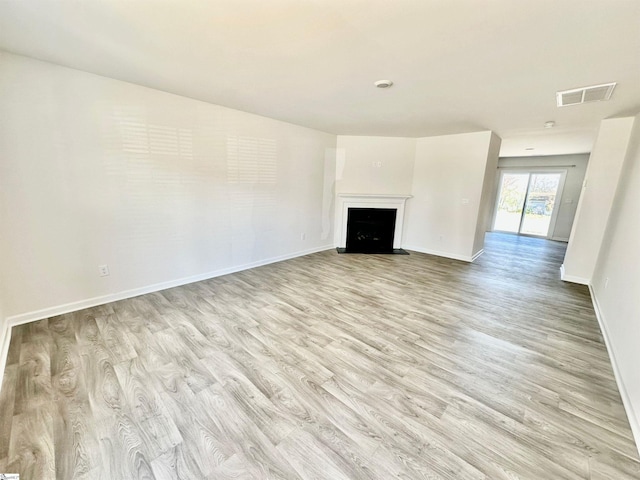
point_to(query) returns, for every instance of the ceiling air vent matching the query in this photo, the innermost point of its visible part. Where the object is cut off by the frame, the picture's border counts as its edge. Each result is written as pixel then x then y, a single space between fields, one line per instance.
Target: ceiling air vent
pixel 576 96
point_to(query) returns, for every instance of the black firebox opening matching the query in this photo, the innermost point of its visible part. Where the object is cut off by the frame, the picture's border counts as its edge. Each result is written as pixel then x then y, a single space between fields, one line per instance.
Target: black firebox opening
pixel 370 230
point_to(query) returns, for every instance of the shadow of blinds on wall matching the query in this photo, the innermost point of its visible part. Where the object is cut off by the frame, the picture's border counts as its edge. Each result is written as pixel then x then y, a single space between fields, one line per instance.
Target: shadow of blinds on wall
pixel 156 169
pixel 252 176
pixel 251 160
pixel 138 137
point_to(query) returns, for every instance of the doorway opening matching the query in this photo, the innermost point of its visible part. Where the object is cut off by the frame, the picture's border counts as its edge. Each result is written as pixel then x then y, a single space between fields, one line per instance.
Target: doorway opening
pixel 527 201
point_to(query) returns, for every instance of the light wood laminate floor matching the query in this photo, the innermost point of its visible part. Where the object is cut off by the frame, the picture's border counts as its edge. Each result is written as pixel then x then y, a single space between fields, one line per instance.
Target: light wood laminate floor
pixel 326 367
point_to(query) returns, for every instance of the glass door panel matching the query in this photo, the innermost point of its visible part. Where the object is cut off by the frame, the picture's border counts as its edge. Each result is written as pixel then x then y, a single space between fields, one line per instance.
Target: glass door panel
pixel 513 191
pixel 541 198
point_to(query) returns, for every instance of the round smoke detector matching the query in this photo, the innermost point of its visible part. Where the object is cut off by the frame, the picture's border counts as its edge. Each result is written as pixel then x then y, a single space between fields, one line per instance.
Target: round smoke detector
pixel 383 83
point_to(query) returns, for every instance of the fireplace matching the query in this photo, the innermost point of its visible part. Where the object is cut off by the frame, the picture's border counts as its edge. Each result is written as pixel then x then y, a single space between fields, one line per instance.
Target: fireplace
pixel 371 212
pixel 370 230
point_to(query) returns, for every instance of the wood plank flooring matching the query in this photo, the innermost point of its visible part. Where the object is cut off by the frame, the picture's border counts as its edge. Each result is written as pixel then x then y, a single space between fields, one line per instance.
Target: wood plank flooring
pixel 326 367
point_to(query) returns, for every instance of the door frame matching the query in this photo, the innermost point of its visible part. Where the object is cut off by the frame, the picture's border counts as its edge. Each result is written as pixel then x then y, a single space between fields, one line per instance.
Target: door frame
pixel 530 171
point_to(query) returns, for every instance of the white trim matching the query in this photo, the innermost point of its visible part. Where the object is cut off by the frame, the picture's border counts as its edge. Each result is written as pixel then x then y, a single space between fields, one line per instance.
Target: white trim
pixel 5 338
pixel 454 256
pixel 560 239
pixel 474 258
pixel 357 200
pixel 571 278
pixel 374 196
pixel 113 297
pixel 626 401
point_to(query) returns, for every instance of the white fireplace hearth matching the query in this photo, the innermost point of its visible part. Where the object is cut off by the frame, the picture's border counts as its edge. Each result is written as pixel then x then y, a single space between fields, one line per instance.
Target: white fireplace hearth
pixel 359 200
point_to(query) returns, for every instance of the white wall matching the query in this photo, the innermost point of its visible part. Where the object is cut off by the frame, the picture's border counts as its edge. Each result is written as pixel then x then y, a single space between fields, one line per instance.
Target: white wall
pixel 596 199
pixel 372 165
pixel 616 282
pixel 448 178
pixel 375 165
pixel 161 188
pixel 4 325
pixel 487 200
pixel 572 185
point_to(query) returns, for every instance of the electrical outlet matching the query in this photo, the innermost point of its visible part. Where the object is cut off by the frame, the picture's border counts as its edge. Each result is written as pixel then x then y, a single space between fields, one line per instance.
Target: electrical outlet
pixel 103 270
pixel 465 201
pixel 303 236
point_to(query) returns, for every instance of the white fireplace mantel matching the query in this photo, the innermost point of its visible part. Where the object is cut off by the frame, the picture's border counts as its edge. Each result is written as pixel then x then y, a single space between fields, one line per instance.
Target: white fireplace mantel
pixel 360 200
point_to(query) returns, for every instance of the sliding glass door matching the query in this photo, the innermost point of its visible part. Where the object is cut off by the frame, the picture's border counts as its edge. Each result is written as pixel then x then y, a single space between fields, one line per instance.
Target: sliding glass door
pixel 511 197
pixel 526 202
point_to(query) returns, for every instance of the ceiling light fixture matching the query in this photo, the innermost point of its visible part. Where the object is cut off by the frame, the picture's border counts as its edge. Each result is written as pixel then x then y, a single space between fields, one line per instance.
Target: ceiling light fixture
pixel 549 124
pixel 383 83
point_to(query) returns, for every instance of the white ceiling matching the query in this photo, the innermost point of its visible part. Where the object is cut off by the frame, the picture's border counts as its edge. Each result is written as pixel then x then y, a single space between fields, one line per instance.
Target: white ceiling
pixel 457 65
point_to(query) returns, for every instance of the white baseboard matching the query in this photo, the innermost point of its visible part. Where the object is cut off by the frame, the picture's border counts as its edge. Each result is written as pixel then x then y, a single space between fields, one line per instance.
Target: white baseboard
pixel 473 259
pixel 113 297
pixel 560 239
pixel 571 278
pixel 626 401
pixel 454 256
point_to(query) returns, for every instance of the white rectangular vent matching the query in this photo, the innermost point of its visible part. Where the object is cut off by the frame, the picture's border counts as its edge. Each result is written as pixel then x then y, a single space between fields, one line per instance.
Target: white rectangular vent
pixel 576 96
